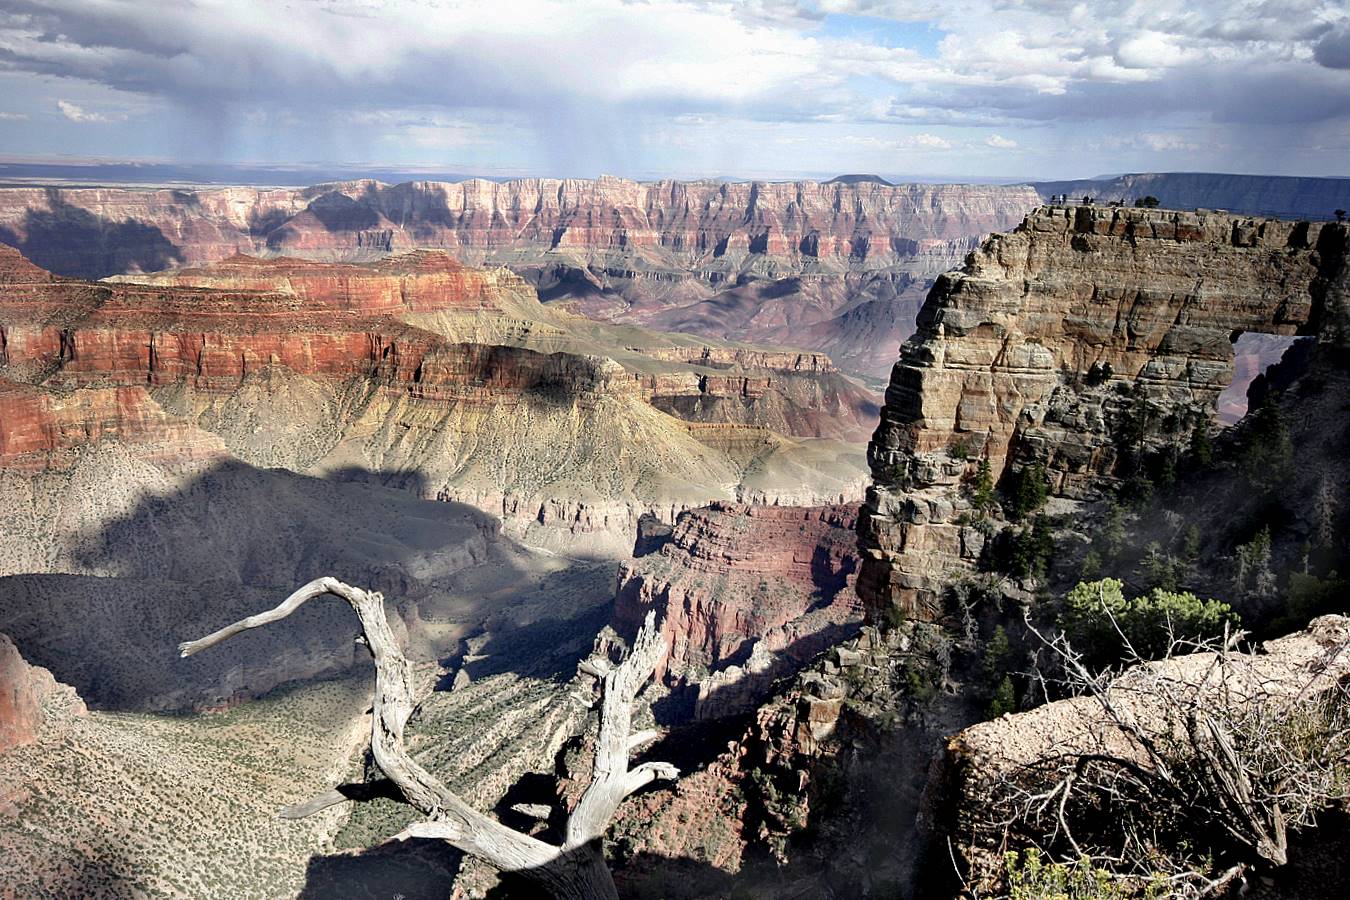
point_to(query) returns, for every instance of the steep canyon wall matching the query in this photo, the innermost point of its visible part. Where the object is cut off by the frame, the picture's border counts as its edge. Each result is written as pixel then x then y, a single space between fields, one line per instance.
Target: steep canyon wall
pixel 1054 344
pixel 833 267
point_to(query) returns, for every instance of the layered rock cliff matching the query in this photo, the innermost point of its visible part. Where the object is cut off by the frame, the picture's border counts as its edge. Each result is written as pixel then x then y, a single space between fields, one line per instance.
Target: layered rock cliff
pixel 23 691
pixel 420 367
pixel 745 595
pixel 1085 341
pixel 839 267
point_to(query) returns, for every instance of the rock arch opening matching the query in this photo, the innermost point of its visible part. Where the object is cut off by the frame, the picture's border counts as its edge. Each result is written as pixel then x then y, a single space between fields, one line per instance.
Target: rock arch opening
pixel 1253 355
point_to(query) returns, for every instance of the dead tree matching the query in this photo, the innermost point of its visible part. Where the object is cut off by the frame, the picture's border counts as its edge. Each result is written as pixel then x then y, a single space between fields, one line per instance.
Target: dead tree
pixel 1176 765
pixel 574 869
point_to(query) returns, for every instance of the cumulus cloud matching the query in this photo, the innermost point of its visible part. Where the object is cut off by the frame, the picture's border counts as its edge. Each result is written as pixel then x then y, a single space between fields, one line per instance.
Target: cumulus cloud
pixel 76 113
pixel 999 142
pixel 1333 50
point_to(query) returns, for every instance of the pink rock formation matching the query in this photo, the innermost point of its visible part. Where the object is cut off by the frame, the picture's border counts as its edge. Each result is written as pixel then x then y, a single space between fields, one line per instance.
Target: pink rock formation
pixel 744 594
pixel 23 690
pixel 831 266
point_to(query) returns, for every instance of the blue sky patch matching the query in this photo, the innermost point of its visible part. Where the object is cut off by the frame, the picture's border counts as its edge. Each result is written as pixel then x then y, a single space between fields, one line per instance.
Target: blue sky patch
pixel 919 36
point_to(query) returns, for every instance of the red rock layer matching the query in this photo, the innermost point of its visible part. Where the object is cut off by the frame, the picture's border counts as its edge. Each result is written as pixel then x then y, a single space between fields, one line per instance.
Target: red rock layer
pixel 42 429
pixel 23 690
pixel 322 320
pixel 799 223
pixel 419 281
pixel 20 699
pixel 736 575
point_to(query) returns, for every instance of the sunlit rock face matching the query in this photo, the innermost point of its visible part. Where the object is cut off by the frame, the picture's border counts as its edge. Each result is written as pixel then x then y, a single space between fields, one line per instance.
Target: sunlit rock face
pixel 836 267
pixel 414 370
pixel 1052 340
pixel 20 698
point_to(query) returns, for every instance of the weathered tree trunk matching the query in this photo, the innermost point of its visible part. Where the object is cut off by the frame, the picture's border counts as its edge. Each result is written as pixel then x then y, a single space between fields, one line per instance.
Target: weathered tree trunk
pixel 576 870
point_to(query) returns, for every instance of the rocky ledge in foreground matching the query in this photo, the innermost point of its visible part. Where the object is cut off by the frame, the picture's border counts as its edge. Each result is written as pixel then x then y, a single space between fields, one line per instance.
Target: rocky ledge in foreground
pixel 989 769
pixel 24 690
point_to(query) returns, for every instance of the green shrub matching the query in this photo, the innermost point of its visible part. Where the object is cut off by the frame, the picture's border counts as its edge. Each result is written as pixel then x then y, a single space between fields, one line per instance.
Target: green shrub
pixel 1310 596
pixel 1267 454
pixel 982 489
pixel 1028 490
pixel 1202 450
pixel 1149 622
pixel 1023 552
pixel 1031 878
pixel 1005 699
pixel 997 654
pixel 1162 569
pixel 959 449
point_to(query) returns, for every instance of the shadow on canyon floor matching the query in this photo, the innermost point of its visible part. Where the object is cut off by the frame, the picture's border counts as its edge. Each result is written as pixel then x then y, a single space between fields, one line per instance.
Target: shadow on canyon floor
pixel 232 541
pixel 71 241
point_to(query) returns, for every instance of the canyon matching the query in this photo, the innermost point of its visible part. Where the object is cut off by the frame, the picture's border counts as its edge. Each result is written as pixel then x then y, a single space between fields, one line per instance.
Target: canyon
pixel 838 268
pixel 866 771
pixel 423 373
pixel 183 446
pixel 745 595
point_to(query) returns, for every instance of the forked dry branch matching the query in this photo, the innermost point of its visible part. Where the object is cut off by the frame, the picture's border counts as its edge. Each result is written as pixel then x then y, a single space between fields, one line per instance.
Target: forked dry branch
pixel 574 869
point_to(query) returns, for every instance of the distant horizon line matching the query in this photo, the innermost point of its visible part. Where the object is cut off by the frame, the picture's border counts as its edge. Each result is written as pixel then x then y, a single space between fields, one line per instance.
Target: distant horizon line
pixel 27 171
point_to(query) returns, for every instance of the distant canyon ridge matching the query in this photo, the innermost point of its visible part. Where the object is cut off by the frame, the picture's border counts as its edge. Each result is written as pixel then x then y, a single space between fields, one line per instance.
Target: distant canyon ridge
pixel 837 267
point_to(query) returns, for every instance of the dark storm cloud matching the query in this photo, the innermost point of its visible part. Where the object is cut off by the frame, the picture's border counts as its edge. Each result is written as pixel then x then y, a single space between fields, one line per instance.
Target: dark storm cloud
pixel 1333 50
pixel 587 75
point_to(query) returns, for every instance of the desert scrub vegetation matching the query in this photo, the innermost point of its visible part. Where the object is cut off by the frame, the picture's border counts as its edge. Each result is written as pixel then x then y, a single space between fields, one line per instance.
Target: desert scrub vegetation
pixel 1107 628
pixel 1192 771
pixel 572 864
pixel 137 804
pixel 1030 877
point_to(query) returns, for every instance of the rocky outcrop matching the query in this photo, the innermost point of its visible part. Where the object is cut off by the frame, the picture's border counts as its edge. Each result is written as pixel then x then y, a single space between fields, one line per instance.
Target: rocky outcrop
pixel 46 429
pixel 20 698
pixel 839 265
pixel 1086 339
pixel 24 689
pixel 745 594
pixel 816 793
pixel 960 810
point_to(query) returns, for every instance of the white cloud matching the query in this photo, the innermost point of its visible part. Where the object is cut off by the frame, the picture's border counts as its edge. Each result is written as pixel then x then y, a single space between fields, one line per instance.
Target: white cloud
pixel 79 114
pixel 999 142
pixel 13 117
pixel 925 141
pixel 1154 50
pixel 1168 142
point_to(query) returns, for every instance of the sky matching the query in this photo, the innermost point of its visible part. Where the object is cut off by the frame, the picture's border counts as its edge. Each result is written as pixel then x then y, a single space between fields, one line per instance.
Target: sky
pixel 685 88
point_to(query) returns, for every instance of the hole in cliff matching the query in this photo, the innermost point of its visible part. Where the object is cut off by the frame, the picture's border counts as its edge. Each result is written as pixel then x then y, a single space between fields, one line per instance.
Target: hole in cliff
pixel 1253 356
